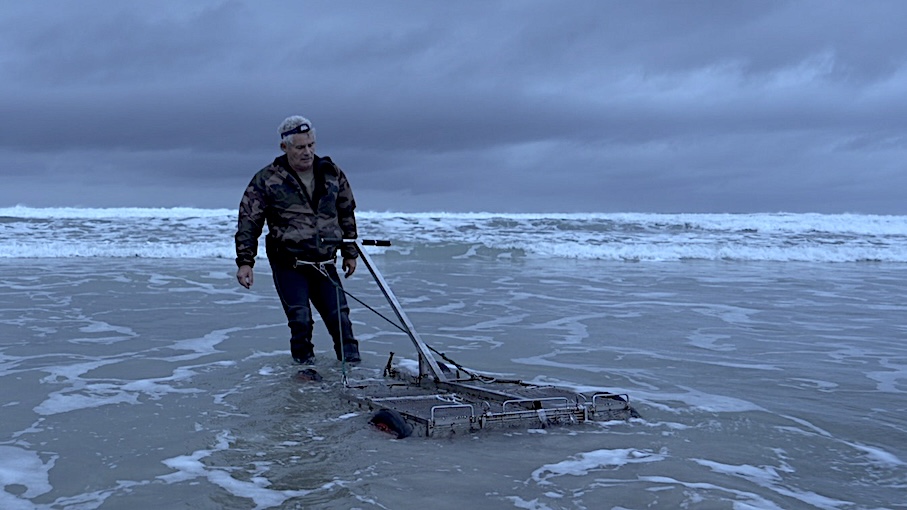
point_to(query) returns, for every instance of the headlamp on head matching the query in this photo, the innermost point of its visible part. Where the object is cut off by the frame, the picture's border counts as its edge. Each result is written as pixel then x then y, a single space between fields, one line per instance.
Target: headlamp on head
pixel 302 128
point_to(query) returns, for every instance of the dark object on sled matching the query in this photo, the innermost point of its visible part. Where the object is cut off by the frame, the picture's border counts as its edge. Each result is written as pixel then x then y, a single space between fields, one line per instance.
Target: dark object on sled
pixel 392 422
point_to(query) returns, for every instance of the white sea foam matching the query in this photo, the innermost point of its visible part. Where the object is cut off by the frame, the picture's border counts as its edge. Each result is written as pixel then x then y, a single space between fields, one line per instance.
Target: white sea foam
pixel 257 488
pixel 208 233
pixel 696 399
pixel 878 456
pixel 585 462
pixel 892 380
pixel 768 477
pixel 744 500
pixel 85 393
pixel 26 469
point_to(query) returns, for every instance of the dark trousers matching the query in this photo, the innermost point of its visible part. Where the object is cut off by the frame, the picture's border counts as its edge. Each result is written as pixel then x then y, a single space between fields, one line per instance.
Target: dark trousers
pixel 301 285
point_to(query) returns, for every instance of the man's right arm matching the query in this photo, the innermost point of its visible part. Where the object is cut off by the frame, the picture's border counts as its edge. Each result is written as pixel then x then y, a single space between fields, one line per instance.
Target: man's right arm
pixel 249 225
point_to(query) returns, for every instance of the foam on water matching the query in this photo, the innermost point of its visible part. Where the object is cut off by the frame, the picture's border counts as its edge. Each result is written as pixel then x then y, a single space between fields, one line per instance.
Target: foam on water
pixel 25 469
pixel 768 477
pixel 587 462
pixel 190 467
pixel 83 393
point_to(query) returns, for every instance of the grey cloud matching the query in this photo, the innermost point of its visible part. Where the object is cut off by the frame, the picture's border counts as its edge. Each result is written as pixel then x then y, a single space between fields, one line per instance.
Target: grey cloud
pixel 501 105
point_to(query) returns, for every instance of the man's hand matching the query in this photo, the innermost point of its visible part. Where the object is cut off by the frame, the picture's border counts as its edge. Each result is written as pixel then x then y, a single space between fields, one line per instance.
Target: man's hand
pixel 244 276
pixel 349 267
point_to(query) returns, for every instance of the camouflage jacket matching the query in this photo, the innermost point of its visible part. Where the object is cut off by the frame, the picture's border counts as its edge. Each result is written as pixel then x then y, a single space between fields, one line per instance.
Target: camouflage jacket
pixel 299 226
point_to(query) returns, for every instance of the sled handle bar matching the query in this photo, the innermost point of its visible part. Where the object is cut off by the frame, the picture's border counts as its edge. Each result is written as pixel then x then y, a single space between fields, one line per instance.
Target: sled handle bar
pixel 373 242
pixel 427 362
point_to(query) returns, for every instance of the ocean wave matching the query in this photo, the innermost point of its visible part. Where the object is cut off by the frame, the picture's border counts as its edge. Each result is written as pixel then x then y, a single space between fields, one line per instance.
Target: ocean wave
pixel 24 212
pixel 208 233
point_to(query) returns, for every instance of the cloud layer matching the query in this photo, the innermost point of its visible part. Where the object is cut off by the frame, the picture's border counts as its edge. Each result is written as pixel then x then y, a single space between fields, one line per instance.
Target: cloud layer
pixel 463 106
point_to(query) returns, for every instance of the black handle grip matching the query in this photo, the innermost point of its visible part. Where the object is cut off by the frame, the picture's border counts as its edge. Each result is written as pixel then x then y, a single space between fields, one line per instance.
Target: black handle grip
pixel 375 242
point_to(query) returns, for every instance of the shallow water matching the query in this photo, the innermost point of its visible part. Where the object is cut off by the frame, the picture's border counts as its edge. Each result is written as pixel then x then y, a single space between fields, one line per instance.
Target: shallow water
pixel 162 384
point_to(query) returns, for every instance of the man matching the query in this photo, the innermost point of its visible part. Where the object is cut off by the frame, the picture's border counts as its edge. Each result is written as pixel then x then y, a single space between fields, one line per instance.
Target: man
pixel 309 208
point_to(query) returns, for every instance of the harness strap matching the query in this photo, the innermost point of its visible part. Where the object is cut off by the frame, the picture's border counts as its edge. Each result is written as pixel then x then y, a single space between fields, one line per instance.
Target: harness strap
pixel 317 265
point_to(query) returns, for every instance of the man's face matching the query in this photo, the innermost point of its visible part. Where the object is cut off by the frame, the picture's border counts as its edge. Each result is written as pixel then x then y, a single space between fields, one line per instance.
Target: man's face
pixel 300 151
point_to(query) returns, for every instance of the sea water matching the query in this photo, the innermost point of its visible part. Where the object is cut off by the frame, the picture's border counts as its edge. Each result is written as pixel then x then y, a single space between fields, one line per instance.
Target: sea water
pixel 765 353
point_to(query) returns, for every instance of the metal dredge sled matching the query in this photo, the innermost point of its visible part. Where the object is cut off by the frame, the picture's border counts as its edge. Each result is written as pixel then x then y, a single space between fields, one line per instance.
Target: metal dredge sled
pixel 441 402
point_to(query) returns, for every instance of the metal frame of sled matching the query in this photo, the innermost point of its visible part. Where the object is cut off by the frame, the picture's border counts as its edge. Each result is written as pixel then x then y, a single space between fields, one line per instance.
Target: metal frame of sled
pixel 439 401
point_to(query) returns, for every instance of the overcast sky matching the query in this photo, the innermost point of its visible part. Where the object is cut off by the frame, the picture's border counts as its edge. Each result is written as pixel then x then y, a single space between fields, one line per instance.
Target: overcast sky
pixel 485 105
